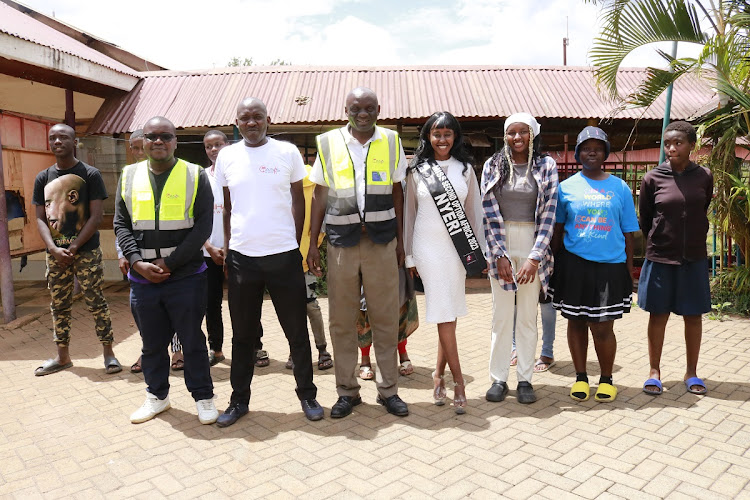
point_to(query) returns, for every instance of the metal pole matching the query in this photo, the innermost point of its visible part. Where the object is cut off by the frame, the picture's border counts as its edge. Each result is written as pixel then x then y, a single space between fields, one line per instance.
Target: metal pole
pixel 6 269
pixel 667 110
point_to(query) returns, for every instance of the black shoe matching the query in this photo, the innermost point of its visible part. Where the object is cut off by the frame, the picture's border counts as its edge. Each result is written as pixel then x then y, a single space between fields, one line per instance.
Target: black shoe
pixel 313 411
pixel 497 392
pixel 525 393
pixel 344 406
pixel 231 414
pixel 394 405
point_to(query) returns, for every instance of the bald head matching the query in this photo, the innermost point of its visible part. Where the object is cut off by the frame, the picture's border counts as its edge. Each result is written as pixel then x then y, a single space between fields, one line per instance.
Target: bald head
pixel 253 121
pixel 161 123
pixel 251 102
pixel 66 213
pixel 63 128
pixel 160 142
pixel 362 110
pixel 359 93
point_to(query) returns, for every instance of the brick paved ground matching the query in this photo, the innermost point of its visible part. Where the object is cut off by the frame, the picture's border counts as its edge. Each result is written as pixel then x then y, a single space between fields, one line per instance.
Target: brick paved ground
pixel 68 434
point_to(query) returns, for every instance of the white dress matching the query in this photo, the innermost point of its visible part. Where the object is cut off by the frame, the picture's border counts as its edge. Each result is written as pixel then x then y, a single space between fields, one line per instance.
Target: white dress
pixel 432 250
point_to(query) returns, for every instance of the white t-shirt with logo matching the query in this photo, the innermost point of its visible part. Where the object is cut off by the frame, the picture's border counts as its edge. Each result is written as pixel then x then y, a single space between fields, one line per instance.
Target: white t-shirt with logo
pixel 217 233
pixel 259 181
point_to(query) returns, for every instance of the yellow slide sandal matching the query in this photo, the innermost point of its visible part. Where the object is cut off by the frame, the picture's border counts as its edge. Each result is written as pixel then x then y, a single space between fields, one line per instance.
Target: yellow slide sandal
pixel 578 388
pixel 605 393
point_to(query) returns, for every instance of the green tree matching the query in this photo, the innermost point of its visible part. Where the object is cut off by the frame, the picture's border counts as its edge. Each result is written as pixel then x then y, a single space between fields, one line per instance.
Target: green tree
pixel 237 62
pixel 248 61
pixel 720 28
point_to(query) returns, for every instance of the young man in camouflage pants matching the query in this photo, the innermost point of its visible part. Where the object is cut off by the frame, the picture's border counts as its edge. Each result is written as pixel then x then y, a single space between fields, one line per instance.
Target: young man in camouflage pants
pixel 68 198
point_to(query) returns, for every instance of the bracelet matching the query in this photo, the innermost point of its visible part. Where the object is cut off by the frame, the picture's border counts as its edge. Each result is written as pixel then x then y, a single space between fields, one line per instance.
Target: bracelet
pixel 535 264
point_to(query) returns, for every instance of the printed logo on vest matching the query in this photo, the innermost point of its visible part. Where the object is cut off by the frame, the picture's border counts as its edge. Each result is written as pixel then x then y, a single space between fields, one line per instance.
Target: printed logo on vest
pixel 379 176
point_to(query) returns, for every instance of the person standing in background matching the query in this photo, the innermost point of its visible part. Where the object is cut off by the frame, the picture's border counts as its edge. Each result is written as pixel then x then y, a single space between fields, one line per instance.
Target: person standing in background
pixel 213 252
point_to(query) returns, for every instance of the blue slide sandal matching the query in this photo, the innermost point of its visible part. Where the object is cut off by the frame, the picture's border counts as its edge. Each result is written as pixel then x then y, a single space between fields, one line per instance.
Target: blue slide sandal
pixel 696 381
pixel 653 382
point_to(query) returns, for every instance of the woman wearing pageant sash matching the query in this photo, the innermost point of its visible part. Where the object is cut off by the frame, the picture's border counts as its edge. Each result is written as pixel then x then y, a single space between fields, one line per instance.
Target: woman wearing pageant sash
pixel 519 198
pixel 441 170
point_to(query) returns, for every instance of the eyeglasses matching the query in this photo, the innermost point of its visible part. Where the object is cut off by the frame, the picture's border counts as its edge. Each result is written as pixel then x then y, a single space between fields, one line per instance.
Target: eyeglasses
pixel 155 137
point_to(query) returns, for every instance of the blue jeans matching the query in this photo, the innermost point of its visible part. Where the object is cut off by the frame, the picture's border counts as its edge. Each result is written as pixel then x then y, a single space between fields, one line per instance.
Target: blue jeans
pixel 160 310
pixel 549 317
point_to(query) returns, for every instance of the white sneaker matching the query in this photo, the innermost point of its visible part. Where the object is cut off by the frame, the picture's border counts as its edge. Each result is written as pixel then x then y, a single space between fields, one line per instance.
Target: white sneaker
pixel 151 408
pixel 207 412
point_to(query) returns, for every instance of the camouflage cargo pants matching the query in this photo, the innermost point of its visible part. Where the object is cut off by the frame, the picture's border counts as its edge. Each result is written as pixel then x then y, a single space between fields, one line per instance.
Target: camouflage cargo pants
pixel 88 267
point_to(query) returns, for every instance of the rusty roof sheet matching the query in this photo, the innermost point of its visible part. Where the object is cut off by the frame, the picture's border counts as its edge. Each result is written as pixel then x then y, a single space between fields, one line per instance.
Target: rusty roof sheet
pixel 315 95
pixel 19 25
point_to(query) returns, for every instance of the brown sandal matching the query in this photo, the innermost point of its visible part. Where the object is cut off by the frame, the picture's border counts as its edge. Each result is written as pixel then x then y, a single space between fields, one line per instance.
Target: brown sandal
pixel 324 361
pixel 136 367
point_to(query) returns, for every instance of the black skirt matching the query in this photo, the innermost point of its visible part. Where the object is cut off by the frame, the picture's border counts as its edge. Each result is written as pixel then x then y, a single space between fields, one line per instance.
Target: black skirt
pixel 590 291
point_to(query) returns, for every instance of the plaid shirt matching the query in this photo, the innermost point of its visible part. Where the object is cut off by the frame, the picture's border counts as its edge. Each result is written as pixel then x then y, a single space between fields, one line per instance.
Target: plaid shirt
pixel 545 175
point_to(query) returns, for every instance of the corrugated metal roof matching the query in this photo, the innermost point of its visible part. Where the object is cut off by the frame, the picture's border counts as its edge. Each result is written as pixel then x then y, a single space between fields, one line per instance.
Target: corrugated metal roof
pixel 209 98
pixel 19 25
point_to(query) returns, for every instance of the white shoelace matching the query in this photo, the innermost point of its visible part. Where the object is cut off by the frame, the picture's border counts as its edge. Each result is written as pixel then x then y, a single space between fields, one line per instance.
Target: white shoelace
pixel 206 405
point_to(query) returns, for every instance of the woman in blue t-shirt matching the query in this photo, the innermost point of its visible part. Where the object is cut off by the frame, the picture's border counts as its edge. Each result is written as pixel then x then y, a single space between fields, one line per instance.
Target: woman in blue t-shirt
pixel 592 281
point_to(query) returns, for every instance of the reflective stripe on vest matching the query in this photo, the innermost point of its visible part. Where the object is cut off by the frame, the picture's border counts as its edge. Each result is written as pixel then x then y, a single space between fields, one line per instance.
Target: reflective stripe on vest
pixel 338 171
pixel 177 197
pixel 150 253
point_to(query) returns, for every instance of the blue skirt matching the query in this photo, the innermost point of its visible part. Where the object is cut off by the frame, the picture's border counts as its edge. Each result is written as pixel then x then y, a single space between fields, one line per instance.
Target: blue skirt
pixel 681 289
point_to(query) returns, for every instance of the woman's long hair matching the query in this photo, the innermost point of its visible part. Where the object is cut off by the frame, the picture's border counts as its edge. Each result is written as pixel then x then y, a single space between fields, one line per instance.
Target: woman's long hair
pixel 426 154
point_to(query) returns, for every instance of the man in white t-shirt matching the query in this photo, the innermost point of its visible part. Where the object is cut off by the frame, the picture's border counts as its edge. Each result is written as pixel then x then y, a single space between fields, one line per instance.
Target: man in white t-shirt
pixel 358 173
pixel 264 211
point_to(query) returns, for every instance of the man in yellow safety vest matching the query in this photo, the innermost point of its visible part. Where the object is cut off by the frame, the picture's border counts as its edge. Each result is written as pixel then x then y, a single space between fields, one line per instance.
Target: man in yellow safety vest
pixel 163 216
pixel 358 173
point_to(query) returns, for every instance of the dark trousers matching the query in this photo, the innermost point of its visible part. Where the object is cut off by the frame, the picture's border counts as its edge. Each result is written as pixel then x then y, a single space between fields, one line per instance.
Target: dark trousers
pixel 215 293
pixel 160 310
pixel 282 275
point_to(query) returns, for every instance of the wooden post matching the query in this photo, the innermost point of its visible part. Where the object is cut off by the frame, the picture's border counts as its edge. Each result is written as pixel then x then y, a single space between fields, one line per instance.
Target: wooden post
pixel 70 114
pixel 6 269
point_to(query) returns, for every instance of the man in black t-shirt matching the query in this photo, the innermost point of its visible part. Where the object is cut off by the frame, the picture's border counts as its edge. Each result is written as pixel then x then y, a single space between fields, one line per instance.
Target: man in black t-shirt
pixel 68 198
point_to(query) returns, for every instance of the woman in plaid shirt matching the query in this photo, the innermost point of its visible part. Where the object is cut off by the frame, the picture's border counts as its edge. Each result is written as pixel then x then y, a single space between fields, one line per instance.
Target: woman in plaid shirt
pixel 519 198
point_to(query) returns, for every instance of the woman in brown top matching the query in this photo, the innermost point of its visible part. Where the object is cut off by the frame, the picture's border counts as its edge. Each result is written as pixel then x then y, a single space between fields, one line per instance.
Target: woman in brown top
pixel 673 203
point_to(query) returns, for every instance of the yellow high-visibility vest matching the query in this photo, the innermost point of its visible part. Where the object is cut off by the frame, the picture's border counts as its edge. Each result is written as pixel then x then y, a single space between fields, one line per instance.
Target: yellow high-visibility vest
pixel 175 206
pixel 382 160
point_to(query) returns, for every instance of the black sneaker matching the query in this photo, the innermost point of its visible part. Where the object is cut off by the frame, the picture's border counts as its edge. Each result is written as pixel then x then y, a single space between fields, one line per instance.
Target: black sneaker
pixel 313 411
pixel 232 414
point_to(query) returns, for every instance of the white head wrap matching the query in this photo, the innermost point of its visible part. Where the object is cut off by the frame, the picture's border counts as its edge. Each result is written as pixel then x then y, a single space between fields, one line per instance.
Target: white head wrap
pixel 523 118
pixel 529 120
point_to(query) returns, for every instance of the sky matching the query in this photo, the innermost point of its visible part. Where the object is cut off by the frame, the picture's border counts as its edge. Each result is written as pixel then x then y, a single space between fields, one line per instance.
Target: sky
pixel 194 34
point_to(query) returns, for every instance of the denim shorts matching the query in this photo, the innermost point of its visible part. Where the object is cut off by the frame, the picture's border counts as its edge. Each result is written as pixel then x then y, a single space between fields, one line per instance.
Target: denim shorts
pixel 681 289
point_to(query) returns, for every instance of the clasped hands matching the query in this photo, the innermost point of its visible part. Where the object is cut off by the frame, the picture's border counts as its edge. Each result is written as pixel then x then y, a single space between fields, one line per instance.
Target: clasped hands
pixel 527 273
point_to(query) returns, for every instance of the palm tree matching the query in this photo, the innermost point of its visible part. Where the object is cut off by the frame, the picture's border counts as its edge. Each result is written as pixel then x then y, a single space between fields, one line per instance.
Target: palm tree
pixel 720 28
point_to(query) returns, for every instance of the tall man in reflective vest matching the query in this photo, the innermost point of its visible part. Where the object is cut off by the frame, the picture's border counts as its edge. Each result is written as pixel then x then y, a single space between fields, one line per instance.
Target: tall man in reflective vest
pixel 163 216
pixel 358 173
